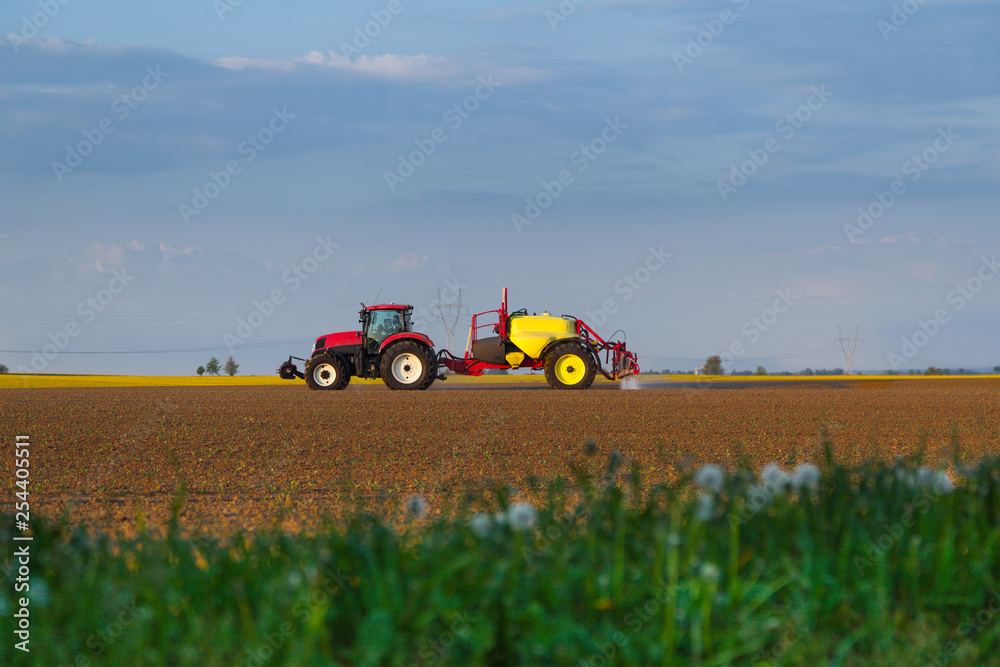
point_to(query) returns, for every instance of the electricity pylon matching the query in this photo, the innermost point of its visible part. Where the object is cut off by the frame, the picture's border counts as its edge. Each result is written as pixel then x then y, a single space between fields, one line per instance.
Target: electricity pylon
pixel 457 306
pixel 848 356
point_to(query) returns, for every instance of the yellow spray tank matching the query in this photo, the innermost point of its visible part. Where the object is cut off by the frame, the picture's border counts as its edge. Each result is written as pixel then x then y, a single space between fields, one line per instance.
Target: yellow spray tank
pixel 531 333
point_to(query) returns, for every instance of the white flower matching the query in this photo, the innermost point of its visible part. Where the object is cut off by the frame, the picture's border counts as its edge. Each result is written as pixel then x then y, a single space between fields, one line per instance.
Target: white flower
pixel 774 477
pixel 704 506
pixel 416 506
pixel 39 592
pixel 942 483
pixel 709 477
pixel 521 516
pixel 709 571
pixel 805 475
pixel 903 476
pixel 759 497
pixel 481 525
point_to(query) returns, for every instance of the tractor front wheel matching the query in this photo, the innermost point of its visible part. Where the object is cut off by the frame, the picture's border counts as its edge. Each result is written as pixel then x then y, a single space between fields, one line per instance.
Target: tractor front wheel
pixel 325 372
pixel 406 366
pixel 570 366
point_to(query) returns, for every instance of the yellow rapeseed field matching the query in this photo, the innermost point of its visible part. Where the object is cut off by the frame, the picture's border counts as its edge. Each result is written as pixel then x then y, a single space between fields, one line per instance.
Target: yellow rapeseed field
pixel 47 380
pixel 51 380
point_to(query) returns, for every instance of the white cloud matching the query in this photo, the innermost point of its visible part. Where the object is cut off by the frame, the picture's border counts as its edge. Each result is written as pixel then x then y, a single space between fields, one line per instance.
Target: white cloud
pixel 408 262
pixel 419 67
pixel 239 63
pixel 174 258
pixel 507 14
pixel 169 250
pixel 909 238
pixel 63 47
pixel 55 45
pixel 98 259
pixel 906 238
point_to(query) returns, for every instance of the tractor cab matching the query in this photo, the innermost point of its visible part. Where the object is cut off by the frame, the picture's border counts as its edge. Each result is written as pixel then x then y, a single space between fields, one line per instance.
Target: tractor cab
pixel 380 322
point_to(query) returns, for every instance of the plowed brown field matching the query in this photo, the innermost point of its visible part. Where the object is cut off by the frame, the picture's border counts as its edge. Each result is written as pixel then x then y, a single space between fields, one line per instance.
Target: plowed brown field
pixel 253 456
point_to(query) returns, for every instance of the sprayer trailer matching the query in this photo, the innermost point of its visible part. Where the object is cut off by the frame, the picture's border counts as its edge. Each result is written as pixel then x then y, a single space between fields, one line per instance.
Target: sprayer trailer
pixel 568 351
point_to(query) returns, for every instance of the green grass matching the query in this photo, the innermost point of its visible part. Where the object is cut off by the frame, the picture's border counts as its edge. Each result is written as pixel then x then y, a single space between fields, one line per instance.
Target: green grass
pixel 877 565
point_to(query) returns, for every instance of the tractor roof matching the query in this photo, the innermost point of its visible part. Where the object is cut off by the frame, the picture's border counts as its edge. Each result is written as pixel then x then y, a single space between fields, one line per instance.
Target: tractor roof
pixel 390 306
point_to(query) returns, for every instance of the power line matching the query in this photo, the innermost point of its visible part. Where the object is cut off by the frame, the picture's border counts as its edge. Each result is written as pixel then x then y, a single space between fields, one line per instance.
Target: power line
pixel 55 317
pixel 873 353
pixel 777 357
pixel 273 343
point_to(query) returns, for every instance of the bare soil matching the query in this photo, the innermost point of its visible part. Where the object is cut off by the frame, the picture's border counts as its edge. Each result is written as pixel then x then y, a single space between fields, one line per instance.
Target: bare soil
pixel 259 456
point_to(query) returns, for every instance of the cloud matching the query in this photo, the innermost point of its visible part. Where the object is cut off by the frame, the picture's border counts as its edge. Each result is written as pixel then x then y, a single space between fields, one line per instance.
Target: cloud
pixel 240 63
pixel 42 44
pixel 419 67
pixel 912 240
pixel 908 238
pixel 635 5
pixel 98 259
pixel 507 14
pixel 38 62
pixel 401 68
pixel 408 262
pixel 178 259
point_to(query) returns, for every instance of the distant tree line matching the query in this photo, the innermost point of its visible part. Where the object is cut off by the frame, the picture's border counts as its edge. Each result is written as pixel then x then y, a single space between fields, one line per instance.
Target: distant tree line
pixel 713 366
pixel 213 367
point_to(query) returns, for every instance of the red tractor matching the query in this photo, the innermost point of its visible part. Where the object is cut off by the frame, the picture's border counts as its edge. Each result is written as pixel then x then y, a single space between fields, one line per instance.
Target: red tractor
pixel 565 348
pixel 386 347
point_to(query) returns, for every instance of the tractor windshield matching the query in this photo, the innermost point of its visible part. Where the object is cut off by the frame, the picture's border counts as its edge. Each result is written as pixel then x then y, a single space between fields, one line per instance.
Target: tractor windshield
pixel 384 323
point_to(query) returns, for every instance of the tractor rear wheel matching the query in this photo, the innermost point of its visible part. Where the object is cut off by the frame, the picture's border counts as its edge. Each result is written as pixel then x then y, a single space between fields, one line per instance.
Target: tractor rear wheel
pixel 325 372
pixel 430 379
pixel 570 366
pixel 406 366
pixel 433 374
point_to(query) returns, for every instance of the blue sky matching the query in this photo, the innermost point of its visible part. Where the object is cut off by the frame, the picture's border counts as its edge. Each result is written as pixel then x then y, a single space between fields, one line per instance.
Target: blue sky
pixel 711 177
